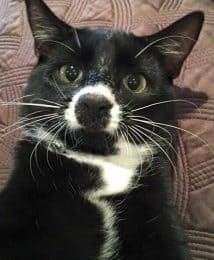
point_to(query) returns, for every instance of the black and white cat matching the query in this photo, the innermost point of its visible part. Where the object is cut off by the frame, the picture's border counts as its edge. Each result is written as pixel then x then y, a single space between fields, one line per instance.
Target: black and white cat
pixel 91 178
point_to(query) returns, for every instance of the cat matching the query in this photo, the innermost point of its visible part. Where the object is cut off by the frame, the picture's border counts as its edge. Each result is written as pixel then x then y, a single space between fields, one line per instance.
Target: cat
pixel 92 175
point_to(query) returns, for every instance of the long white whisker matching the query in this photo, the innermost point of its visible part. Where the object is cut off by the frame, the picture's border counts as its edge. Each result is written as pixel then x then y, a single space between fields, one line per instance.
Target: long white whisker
pixel 164 102
pixel 35 151
pixel 178 128
pixel 42 138
pixel 134 186
pixel 158 136
pixel 124 136
pixel 21 120
pixel 160 39
pixel 48 101
pixel 28 124
pixel 141 139
pixel 159 146
pixel 27 104
pixel 137 135
pixel 125 140
pixel 162 128
pixel 65 135
pixel 139 155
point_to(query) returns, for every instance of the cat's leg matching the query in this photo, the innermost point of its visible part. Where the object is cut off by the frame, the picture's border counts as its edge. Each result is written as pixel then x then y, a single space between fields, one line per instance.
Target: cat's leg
pixel 14 227
pixel 41 221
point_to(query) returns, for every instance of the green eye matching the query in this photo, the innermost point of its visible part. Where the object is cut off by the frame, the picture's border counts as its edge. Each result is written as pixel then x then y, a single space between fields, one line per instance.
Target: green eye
pixel 69 73
pixel 136 83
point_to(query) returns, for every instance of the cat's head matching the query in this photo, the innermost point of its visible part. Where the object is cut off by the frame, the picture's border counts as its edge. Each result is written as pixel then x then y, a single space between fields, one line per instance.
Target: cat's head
pixel 99 85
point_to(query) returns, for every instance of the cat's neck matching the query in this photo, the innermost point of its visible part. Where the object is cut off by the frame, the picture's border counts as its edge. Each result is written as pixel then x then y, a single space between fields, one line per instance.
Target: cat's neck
pixel 117 173
pixel 117 170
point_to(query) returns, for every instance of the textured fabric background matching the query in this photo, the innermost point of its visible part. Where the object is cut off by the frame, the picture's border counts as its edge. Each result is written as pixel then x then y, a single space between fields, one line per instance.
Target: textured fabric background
pixel 194 180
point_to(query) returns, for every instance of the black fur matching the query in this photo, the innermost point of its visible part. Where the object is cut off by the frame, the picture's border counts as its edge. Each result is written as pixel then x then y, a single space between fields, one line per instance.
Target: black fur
pixel 43 212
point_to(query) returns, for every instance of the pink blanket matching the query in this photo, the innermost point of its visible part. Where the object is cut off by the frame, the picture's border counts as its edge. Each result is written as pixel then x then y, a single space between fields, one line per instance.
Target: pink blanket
pixel 194 179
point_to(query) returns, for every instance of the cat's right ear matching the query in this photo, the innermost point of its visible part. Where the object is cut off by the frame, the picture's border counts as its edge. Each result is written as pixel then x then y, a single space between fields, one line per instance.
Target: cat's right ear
pixel 45 26
pixel 176 41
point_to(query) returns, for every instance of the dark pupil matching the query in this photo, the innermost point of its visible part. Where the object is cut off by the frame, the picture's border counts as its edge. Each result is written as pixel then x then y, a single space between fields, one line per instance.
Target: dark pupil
pixel 71 73
pixel 133 82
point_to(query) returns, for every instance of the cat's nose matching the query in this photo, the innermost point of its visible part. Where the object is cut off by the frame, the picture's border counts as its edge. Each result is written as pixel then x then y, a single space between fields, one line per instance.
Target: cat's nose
pixel 93 111
pixel 96 103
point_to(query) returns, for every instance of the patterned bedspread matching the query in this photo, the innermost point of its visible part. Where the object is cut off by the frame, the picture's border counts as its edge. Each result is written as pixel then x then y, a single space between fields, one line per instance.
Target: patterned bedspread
pixel 194 179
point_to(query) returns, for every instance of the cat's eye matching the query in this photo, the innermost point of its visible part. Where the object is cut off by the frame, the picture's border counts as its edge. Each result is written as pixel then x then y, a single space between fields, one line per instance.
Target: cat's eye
pixel 135 82
pixel 69 73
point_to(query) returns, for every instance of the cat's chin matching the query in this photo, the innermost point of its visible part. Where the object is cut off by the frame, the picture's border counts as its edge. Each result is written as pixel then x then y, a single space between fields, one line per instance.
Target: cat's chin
pixel 94 131
pixel 94 141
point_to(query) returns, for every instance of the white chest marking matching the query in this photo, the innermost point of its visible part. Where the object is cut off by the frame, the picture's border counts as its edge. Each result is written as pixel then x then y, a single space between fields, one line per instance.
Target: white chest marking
pixel 117 171
pixel 110 247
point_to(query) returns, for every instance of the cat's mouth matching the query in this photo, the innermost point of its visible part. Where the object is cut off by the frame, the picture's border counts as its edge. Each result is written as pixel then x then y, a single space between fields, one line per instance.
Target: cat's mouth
pixel 93 142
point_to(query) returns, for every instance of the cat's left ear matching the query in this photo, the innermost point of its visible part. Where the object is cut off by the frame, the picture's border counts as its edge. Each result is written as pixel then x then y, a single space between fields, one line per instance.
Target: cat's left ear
pixel 177 40
pixel 46 27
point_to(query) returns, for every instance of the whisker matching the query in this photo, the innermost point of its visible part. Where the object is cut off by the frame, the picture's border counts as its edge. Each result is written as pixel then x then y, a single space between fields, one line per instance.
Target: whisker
pixel 58 42
pixel 160 39
pixel 21 120
pixel 127 105
pixel 141 139
pixel 124 136
pixel 158 136
pixel 34 151
pixel 61 124
pixel 140 157
pixel 134 186
pixel 162 128
pixel 48 101
pixel 28 124
pixel 36 158
pixel 77 38
pixel 58 88
pixel 116 135
pixel 159 146
pixel 27 104
pixel 65 135
pixel 164 102
pixel 20 98
pixel 178 128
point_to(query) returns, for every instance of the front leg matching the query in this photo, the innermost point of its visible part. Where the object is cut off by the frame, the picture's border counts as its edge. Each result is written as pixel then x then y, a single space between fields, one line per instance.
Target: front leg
pixel 148 222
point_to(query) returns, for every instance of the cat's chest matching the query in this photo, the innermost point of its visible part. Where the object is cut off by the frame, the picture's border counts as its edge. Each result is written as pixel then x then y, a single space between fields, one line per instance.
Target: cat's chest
pixel 116 171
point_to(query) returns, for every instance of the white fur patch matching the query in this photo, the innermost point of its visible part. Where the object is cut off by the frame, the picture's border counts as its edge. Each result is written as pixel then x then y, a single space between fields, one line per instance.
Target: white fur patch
pixel 118 170
pixel 40 134
pixel 101 90
pixel 70 116
pixel 110 247
pixel 115 114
